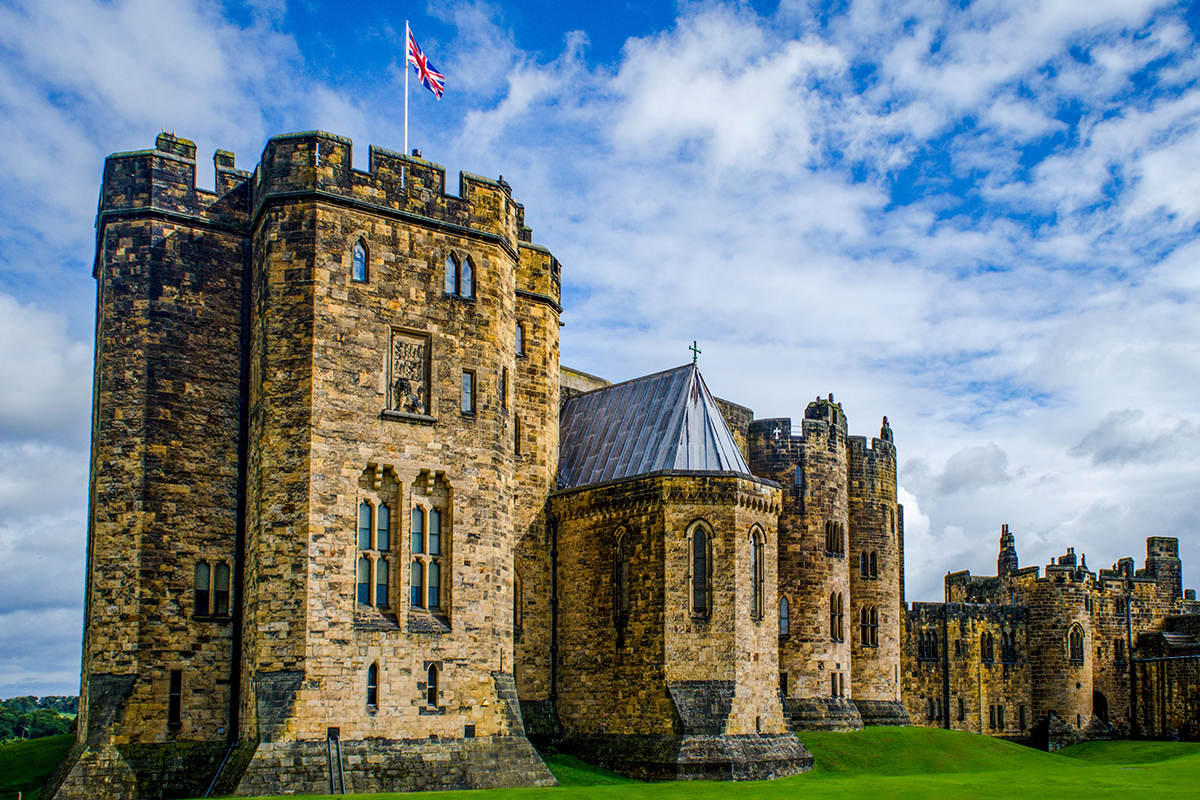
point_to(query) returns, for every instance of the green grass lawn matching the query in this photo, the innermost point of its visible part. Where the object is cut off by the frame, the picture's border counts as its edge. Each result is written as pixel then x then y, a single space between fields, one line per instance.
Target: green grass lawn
pixel 876 764
pixel 24 766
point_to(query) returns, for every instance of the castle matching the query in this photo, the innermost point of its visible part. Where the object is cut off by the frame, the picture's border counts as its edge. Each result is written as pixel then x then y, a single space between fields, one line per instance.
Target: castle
pixel 1054 659
pixel 354 528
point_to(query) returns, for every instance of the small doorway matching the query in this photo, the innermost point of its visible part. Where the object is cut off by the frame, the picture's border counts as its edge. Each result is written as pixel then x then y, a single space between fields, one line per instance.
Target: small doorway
pixel 1100 706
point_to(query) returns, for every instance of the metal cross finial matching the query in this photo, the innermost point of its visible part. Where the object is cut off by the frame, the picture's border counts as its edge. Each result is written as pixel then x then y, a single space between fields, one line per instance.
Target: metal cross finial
pixel 696 351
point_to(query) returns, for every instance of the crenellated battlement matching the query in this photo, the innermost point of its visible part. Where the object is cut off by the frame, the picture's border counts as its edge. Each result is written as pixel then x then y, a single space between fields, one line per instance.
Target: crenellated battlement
pixel 321 164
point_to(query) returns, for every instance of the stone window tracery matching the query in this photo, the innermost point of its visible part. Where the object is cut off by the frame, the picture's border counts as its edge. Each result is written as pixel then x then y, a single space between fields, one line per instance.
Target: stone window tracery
pixel 374 546
pixel 1075 644
pixel 429 544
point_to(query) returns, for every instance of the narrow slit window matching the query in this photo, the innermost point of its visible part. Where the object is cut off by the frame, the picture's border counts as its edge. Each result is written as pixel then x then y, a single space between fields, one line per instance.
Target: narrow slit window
pixel 504 387
pixel 621 582
pixel 520 341
pixel 431 686
pixel 699 571
pixel 221 589
pixel 175 699
pixel 468 392
pixel 202 588
pixel 784 617
pixel 756 575
pixel 373 686
pixel 517 435
pixel 874 564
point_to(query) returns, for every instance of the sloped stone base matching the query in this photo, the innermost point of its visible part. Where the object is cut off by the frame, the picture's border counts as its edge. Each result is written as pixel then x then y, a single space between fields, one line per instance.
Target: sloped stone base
pixel 394 765
pixel 138 771
pixel 882 712
pixel 753 757
pixel 821 714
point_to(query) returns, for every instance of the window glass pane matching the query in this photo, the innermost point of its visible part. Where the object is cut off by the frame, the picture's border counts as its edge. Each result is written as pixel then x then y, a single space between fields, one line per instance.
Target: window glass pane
pixel 699 571
pixel 364 526
pixel 221 586
pixel 468 391
pixel 381 582
pixel 435 532
pixel 784 621
pixel 520 339
pixel 468 279
pixel 383 535
pixel 418 530
pixel 373 685
pixel 435 588
pixel 416 594
pixel 364 581
pixel 202 573
pixel 360 262
pixel 431 686
pixel 451 285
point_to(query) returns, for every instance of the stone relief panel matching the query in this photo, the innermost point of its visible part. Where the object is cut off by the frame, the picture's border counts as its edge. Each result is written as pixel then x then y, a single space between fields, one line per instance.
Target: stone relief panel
pixel 408 373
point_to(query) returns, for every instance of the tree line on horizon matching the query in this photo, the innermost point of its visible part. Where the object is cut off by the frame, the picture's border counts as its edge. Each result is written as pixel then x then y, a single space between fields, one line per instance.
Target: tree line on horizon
pixel 32 717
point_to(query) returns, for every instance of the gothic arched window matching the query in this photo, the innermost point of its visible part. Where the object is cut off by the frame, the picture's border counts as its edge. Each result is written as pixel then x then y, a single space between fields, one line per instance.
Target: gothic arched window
pixel 621 578
pixel 373 686
pixel 431 686
pixel 466 282
pixel 1075 644
pixel 757 568
pixel 451 283
pixel 700 557
pixel 358 258
pixel 785 622
pixel 874 564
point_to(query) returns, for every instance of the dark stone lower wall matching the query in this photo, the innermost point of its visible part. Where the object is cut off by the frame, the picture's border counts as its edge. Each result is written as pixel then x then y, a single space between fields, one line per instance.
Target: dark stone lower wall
pixel 140 771
pixel 882 712
pixel 391 765
pixel 753 757
pixel 822 714
pixel 541 722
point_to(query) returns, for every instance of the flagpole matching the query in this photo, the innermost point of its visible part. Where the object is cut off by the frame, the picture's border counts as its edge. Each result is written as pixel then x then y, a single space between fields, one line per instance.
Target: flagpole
pixel 406 41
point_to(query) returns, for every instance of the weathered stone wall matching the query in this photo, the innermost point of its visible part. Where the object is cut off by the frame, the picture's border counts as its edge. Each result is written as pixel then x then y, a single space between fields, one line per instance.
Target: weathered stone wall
pixel 813 470
pixel 874 555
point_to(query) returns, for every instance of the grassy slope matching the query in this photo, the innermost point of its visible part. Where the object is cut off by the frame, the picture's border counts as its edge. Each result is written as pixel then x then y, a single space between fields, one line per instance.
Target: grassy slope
pixel 881 763
pixel 24 766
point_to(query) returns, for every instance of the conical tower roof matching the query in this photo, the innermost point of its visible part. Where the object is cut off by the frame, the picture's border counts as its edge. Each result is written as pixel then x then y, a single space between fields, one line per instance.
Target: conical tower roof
pixel 666 421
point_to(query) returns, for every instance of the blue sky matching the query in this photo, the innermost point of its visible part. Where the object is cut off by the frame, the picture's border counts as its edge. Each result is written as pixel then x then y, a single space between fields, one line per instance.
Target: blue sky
pixel 978 218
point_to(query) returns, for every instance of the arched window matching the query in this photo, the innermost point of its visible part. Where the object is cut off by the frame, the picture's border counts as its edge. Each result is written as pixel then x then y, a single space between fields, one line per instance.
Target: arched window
pixel 374 539
pixel 467 279
pixel 364 525
pixel 417 594
pixel 451 284
pixel 435 586
pixel 520 339
pixel 785 622
pixel 868 621
pixel 621 559
pixel 987 648
pixel 383 528
pixel 1075 644
pixel 863 569
pixel 874 564
pixel 701 569
pixel 1119 651
pixel 431 686
pixel 757 568
pixel 358 259
pixel 203 572
pixel 373 686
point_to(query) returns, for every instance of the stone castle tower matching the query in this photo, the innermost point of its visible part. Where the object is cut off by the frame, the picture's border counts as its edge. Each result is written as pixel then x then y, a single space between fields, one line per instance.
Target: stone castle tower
pixel 346 535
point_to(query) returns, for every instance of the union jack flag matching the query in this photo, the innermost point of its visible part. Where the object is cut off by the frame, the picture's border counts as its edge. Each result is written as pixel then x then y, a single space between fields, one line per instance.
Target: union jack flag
pixel 431 79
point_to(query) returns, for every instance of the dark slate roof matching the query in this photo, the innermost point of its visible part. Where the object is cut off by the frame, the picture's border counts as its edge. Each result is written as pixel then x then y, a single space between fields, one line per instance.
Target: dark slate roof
pixel 659 422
